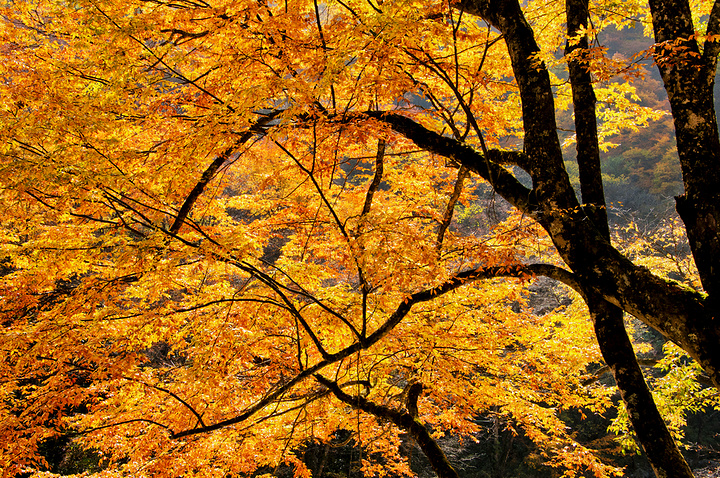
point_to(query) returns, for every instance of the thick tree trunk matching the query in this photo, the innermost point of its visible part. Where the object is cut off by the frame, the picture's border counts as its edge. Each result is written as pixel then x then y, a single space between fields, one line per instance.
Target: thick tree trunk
pixel 654 437
pixel 689 76
pixel 660 448
pixel 682 315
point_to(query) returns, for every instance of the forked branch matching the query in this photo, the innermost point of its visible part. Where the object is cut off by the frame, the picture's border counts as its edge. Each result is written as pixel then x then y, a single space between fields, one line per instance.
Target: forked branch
pixel 404 420
pixel 393 320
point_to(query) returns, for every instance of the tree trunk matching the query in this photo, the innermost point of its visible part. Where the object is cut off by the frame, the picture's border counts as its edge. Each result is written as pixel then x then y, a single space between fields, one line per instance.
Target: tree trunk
pixel 652 433
pixel 682 315
pixel 660 448
pixel 689 77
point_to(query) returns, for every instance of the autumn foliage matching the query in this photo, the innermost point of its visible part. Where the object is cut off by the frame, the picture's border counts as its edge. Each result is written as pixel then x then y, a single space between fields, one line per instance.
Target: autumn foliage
pixel 220 244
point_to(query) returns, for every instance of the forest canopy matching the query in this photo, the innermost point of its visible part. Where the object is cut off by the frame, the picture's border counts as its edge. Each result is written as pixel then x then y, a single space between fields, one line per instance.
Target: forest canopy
pixel 231 228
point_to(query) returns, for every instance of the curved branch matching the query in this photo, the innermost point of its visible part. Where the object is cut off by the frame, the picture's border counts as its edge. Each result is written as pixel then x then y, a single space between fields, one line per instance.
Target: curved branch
pixel 173 395
pixel 404 420
pixel 289 306
pixel 456 281
pixel 463 173
pixel 211 170
pixel 372 189
pixel 557 273
pixel 413 394
pixel 486 166
pixel 300 290
pixel 124 422
pixel 377 179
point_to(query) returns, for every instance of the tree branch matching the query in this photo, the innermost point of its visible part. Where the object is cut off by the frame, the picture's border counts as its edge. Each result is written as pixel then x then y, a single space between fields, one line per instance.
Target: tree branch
pixel 488 167
pixel 394 319
pixel 404 420
pixel 377 179
pixel 463 173
pixel 209 173
pixel 173 395
pixel 583 94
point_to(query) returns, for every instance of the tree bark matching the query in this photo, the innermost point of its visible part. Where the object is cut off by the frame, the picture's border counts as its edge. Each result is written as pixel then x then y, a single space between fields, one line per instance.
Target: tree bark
pixel 404 420
pixel 684 316
pixel 586 137
pixel 689 77
pixel 654 437
pixel 660 448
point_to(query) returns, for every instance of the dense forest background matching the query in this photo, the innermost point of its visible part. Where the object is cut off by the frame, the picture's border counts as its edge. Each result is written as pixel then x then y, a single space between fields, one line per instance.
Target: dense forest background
pixel 642 173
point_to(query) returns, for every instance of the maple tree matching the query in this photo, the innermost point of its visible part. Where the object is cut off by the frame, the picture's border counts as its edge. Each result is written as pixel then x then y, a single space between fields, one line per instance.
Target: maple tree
pixel 226 225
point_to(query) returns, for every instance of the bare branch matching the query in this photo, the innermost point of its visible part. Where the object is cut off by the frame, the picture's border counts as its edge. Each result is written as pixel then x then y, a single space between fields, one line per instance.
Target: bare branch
pixel 463 173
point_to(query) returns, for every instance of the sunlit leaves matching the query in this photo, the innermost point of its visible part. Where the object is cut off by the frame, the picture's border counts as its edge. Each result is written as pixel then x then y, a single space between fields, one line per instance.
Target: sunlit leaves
pixel 677 392
pixel 178 335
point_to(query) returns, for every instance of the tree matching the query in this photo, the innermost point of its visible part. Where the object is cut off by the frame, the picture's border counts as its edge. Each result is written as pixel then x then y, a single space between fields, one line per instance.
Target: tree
pixel 217 215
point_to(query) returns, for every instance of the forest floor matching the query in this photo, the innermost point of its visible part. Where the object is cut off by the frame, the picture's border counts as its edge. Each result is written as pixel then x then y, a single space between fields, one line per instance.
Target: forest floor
pixel 710 471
